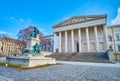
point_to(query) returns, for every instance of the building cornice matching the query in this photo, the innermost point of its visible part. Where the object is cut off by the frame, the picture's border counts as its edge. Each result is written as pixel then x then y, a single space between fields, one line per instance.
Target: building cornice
pixel 81 25
pixel 85 19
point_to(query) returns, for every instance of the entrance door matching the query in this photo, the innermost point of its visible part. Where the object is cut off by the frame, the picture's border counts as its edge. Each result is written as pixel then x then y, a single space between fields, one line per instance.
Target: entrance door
pixel 92 47
pixel 85 47
pixel 77 47
pixel 101 46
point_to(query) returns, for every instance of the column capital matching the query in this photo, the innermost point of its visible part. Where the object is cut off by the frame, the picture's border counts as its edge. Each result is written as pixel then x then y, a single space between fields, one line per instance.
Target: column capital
pixel 95 26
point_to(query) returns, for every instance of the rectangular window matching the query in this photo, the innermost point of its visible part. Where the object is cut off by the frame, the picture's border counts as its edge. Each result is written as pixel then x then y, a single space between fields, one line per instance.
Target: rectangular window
pixel 109 38
pixel 110 47
pixel 118 37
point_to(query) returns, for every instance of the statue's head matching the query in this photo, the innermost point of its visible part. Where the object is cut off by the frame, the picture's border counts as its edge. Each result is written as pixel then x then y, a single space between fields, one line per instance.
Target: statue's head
pixel 37 44
pixel 36 30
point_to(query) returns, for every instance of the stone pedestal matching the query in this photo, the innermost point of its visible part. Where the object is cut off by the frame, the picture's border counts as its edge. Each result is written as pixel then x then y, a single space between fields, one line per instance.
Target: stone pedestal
pixel 32 54
pixel 30 60
pixel 31 42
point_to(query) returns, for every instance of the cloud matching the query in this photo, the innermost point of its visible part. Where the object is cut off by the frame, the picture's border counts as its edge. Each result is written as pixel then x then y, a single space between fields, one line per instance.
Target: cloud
pixel 11 18
pixel 21 20
pixel 117 19
pixel 24 22
pixel 65 18
pixel 43 31
pixel 5 33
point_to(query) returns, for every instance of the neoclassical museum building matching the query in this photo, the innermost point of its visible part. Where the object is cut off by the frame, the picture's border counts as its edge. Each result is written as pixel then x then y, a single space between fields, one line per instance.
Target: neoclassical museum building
pixel 82 34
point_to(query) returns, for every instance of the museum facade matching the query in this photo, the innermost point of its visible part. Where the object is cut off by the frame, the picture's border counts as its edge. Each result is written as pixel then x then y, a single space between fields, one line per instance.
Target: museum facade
pixel 82 34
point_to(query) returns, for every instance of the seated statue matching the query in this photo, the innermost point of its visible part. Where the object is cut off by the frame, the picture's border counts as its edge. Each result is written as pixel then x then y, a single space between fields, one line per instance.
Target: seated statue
pixel 36 48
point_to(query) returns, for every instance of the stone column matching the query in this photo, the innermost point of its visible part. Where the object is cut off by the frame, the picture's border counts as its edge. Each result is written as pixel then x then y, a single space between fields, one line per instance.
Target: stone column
pixel 59 41
pixel 79 40
pixel 113 39
pixel 66 41
pixel 96 39
pixel 87 40
pixel 54 42
pixel 105 37
pixel 72 40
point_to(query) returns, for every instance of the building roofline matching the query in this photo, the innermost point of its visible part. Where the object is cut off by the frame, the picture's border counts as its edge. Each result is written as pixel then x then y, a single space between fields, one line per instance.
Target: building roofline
pixel 111 26
pixel 57 25
pixel 8 38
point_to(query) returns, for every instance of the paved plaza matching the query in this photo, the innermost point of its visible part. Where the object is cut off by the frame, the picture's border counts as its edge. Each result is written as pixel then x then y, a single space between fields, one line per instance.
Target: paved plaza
pixel 64 72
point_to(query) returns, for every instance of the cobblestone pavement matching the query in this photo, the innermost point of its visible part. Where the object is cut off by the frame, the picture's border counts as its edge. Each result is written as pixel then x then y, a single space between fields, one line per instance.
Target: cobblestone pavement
pixel 63 73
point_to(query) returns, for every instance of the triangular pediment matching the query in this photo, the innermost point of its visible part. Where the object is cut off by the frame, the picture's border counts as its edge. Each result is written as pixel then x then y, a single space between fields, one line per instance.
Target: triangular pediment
pixel 79 19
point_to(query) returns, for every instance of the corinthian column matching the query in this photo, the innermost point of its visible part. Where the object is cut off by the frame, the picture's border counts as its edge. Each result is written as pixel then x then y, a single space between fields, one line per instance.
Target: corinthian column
pixel 79 40
pixel 87 39
pixel 105 37
pixel 65 41
pixel 72 39
pixel 59 41
pixel 54 42
pixel 96 39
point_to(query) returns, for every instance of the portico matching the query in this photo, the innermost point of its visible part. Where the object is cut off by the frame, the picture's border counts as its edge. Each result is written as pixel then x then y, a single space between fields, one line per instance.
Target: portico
pixel 82 34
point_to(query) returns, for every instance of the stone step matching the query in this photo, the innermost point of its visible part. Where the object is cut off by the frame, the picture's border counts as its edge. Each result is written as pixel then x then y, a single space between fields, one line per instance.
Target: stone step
pixel 82 57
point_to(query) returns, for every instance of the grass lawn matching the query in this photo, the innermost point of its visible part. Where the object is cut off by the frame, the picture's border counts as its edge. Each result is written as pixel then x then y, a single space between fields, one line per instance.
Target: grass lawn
pixel 20 67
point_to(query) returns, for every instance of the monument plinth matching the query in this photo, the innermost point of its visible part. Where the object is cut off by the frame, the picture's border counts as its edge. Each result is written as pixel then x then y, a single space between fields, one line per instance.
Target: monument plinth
pixel 32 54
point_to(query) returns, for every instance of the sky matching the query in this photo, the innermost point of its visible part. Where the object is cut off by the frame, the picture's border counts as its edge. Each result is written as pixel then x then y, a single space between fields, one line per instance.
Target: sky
pixel 44 14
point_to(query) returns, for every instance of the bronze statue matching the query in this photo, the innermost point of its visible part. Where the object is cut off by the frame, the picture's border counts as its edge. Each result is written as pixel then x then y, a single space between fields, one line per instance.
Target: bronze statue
pixel 36 47
pixel 34 33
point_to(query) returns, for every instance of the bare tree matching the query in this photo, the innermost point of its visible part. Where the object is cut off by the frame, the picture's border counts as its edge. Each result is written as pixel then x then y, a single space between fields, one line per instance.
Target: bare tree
pixel 25 33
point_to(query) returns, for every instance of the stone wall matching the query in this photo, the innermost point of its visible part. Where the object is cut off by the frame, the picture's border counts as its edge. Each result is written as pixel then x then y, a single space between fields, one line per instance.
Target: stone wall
pixel 118 56
pixel 30 61
pixel 113 57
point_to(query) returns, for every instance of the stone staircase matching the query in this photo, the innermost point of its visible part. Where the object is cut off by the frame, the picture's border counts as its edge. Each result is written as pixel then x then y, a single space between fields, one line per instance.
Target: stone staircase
pixel 99 57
